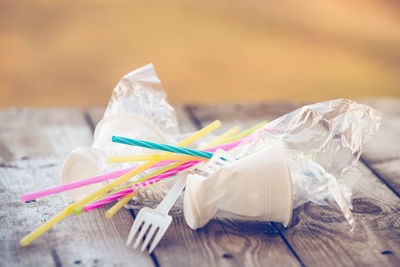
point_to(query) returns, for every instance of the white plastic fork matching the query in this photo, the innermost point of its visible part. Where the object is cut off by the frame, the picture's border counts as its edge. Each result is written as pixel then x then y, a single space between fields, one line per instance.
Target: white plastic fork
pixel 152 220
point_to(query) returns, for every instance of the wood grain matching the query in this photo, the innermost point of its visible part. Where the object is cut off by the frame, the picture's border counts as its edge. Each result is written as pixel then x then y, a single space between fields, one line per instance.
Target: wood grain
pixel 382 153
pixel 33 144
pixel 244 115
pixel 93 115
pixel 321 236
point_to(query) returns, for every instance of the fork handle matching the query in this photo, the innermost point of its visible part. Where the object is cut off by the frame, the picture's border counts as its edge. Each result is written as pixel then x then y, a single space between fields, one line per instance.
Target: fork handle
pixel 170 199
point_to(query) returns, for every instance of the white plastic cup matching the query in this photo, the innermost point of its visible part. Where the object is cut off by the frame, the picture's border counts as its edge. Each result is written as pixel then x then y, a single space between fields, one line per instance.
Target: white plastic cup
pixel 84 162
pixel 256 187
pixel 137 127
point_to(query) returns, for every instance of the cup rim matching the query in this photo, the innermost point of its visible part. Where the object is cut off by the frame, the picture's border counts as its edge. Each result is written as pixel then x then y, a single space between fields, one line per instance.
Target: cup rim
pixel 128 127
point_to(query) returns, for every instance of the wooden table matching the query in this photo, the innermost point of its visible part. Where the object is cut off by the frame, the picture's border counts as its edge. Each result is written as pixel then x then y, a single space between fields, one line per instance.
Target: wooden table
pixel 34 142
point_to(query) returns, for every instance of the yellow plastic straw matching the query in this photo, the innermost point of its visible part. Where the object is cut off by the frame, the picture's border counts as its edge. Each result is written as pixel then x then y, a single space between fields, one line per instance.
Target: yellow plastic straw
pixel 245 132
pixel 111 211
pixel 159 157
pixel 67 211
pixel 223 136
pixel 114 209
pixel 167 168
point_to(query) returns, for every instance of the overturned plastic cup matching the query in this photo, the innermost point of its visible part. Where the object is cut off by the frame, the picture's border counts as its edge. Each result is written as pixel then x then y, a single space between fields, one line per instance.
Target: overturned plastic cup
pixel 84 162
pixel 256 187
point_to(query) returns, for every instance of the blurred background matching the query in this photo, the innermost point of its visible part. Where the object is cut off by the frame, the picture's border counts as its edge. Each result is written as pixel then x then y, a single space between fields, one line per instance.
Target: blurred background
pixel 72 53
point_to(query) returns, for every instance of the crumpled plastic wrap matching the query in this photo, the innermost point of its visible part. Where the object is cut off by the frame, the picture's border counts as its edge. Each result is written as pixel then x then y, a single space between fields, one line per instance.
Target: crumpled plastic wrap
pixel 137 109
pixel 140 92
pixel 323 142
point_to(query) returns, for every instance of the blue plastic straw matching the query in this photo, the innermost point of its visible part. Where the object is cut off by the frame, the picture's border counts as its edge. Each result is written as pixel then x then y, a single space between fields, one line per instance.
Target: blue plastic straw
pixel 174 149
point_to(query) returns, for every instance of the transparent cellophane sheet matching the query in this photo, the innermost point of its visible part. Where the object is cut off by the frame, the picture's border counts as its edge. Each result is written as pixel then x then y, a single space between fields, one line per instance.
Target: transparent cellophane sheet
pixel 323 143
pixel 140 92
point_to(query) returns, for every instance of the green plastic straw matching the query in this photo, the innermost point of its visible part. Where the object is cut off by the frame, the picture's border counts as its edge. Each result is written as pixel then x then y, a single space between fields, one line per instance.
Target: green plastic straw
pixel 169 167
pixel 245 132
pixel 163 147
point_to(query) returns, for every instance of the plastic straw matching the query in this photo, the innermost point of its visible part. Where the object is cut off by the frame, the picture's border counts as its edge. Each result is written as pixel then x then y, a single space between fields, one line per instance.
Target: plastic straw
pixel 83 182
pixel 111 175
pixel 112 197
pixel 114 209
pixel 99 203
pixel 108 199
pixel 169 171
pixel 165 172
pixel 186 165
pixel 67 211
pixel 121 192
pixel 223 137
pixel 163 147
pixel 46 226
pixel 245 132
pixel 72 185
pixel 159 157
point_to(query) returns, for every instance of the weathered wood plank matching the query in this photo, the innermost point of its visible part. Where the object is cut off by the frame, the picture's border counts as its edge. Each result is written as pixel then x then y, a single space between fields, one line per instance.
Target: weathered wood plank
pixel 382 154
pixel 33 144
pixel 214 245
pixel 222 243
pixel 319 235
pixel 244 115
pixel 95 114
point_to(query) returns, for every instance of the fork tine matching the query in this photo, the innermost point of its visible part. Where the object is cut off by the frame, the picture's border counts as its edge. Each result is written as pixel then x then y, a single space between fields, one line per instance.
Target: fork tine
pixel 134 230
pixel 148 237
pixel 157 238
pixel 141 234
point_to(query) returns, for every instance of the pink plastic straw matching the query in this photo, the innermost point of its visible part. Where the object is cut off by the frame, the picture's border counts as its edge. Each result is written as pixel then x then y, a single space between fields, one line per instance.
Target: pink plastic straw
pixel 116 174
pixel 112 197
pixel 82 182
pixel 122 193
pixel 107 199
pixel 72 185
